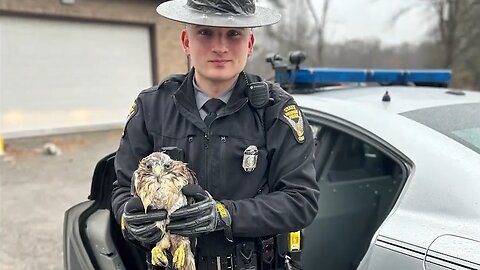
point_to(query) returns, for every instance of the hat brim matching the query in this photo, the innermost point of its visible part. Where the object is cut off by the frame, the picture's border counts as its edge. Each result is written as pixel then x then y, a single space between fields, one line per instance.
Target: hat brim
pixel 177 10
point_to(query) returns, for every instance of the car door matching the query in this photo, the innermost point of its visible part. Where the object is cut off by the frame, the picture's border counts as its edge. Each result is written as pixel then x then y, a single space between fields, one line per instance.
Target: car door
pixel 92 237
pixel 359 183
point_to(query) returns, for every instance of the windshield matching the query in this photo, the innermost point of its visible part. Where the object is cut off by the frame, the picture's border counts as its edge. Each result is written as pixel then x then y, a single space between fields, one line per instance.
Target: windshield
pixel 460 122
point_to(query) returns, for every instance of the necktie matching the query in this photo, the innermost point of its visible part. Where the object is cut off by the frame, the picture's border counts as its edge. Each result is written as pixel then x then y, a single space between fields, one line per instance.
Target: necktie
pixel 211 107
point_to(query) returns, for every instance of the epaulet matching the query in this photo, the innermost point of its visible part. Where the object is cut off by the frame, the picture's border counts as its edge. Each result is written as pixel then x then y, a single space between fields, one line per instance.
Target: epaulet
pixel 175 78
pixel 178 78
pixel 278 93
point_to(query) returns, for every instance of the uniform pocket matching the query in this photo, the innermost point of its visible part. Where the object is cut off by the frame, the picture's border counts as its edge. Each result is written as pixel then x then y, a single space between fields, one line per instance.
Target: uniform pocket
pixel 235 181
pixel 186 143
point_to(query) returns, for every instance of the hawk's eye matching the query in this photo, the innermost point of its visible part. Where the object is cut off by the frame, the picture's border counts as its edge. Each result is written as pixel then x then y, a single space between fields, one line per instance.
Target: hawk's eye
pixel 168 166
pixel 149 167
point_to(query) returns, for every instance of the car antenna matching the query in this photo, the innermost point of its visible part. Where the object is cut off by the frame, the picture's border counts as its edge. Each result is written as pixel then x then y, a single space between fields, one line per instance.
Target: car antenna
pixel 386 97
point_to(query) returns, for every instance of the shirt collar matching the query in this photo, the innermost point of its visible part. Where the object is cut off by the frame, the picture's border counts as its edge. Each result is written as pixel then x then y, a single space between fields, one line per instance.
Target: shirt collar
pixel 201 98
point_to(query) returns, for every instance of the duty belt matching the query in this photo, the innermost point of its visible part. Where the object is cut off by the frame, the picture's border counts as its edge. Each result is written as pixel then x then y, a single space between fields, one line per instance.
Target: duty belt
pixel 216 263
pixel 254 255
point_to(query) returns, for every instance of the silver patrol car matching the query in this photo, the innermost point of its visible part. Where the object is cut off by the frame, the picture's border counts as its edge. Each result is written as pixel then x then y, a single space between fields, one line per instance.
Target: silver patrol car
pixel 398 169
pixel 399 179
pixel 398 166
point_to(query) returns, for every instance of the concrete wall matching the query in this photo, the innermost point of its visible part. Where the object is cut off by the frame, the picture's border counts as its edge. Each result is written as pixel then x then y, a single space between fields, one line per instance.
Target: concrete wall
pixel 168 57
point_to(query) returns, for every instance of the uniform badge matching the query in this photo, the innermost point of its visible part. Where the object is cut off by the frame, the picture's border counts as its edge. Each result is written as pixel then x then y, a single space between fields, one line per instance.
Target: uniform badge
pixel 250 156
pixel 294 118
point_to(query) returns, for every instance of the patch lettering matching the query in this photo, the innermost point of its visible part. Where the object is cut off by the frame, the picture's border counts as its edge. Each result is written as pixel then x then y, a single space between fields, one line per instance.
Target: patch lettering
pixel 294 118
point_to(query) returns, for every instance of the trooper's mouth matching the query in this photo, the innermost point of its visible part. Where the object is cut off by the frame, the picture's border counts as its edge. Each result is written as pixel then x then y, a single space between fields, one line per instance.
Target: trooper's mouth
pixel 219 61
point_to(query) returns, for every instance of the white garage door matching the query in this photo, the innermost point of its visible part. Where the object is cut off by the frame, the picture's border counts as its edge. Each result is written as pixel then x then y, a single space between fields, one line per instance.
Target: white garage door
pixel 55 75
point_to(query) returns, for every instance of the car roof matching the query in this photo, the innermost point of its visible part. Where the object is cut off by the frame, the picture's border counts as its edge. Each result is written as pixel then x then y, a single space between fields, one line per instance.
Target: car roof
pixel 403 98
pixel 363 107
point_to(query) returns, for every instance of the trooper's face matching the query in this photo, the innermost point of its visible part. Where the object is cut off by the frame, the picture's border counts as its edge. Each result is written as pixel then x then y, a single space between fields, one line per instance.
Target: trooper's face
pixel 218 54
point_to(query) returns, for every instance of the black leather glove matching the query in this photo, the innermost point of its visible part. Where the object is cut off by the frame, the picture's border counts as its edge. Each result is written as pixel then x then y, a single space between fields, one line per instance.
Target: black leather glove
pixel 205 215
pixel 140 226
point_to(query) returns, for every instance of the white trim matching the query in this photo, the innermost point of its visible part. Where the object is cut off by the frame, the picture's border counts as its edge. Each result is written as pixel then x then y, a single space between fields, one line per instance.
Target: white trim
pixel 62 130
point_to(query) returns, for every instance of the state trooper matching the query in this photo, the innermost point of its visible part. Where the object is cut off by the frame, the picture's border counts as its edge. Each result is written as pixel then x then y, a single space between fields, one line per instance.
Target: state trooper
pixel 246 139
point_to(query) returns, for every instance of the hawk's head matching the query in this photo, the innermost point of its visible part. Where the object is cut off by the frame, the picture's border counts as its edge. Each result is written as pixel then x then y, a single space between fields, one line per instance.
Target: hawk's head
pixel 164 169
pixel 158 169
pixel 156 164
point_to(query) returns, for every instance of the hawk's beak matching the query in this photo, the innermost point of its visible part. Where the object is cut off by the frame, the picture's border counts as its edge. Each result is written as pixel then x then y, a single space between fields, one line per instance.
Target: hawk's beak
pixel 157 170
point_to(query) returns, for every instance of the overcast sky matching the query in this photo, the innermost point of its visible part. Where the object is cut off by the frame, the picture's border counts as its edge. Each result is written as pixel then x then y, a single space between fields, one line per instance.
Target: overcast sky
pixel 348 19
pixel 368 18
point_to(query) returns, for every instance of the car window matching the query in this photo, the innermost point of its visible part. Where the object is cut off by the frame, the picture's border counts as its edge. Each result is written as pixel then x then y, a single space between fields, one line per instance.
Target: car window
pixel 323 144
pixel 460 122
pixel 340 157
pixel 354 159
pixel 315 130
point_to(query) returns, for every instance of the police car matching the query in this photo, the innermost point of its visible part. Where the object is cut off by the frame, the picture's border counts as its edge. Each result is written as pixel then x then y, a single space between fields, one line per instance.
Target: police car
pixel 398 164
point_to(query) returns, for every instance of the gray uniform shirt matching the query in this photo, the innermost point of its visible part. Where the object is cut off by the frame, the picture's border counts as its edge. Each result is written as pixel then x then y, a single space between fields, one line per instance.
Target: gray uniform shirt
pixel 201 98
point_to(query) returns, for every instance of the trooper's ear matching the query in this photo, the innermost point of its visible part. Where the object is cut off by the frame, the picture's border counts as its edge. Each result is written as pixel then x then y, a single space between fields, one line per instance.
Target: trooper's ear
pixel 185 41
pixel 251 41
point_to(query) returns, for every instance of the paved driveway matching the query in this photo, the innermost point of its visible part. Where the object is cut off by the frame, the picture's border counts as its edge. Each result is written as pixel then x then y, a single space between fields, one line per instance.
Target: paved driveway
pixel 36 189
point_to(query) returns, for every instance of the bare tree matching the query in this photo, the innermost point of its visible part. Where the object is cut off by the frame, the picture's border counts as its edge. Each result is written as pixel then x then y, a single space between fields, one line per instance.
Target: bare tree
pixel 298 31
pixel 457 25
pixel 456 29
pixel 321 25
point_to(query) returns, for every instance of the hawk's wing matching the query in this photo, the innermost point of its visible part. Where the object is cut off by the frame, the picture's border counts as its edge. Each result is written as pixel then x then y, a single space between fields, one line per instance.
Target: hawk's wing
pixel 133 186
pixel 192 179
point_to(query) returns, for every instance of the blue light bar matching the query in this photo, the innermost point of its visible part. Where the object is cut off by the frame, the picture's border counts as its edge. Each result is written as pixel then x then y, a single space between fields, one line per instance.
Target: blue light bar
pixel 425 76
pixel 391 76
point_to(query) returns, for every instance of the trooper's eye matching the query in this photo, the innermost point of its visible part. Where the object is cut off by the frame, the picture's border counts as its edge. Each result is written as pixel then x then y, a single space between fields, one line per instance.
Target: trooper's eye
pixel 234 33
pixel 205 32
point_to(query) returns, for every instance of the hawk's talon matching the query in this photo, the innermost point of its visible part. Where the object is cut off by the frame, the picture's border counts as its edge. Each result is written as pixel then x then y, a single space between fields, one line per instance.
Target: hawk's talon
pixel 179 257
pixel 159 257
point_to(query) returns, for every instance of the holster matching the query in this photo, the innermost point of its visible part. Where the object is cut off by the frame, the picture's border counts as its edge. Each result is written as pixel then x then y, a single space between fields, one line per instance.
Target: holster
pixel 246 256
pixel 266 251
pixel 256 255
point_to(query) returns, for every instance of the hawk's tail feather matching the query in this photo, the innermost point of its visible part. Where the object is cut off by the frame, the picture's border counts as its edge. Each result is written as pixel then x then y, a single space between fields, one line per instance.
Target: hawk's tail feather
pixel 189 261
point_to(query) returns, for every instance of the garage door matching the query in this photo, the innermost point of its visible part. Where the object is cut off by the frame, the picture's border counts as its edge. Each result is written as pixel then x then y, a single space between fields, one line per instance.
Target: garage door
pixel 59 75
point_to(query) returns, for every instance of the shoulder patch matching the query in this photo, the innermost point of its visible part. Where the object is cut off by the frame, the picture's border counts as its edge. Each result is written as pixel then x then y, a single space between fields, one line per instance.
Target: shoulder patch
pixel 293 117
pixel 131 113
pixel 132 110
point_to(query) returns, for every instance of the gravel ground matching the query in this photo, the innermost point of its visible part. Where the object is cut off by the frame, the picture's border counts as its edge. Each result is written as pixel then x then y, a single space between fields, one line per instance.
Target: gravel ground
pixel 36 189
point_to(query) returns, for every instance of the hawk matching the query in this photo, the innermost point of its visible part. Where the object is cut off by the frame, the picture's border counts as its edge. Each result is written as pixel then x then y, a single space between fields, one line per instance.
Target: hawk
pixel 158 182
